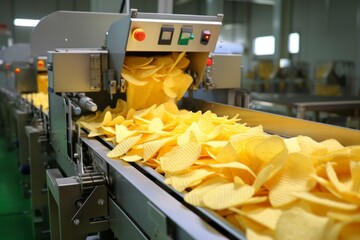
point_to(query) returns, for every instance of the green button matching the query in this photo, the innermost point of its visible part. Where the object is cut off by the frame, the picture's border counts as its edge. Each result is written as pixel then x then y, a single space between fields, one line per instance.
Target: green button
pixel 185 36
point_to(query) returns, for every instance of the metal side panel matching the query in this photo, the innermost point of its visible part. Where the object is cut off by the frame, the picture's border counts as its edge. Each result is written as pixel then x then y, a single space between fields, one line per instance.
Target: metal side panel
pixel 153 210
pixel 277 124
pixel 58 130
pixel 65 29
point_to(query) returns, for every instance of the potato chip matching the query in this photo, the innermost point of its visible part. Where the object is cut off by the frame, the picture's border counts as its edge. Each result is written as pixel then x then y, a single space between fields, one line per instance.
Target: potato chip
pixel 325 199
pixel 292 144
pixel 299 224
pixel 123 133
pixel 183 180
pixel 271 169
pixel 235 165
pixel 266 216
pixel 256 235
pixel 355 176
pixel 150 148
pixel 123 147
pixel 311 147
pixel 180 158
pixel 130 78
pixel 195 196
pixel 116 120
pixel 137 61
pixel 110 131
pixel 227 195
pixel 186 136
pixel 296 176
pixel 155 125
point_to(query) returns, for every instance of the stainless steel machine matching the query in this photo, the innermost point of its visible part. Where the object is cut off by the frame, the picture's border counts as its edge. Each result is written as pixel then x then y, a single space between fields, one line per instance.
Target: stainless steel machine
pixel 85 193
pixel 41 156
pixel 90 193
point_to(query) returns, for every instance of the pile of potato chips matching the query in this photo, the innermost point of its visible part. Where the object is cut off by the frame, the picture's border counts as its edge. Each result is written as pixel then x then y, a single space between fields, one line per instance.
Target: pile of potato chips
pixel 155 80
pixel 39 99
pixel 273 188
pixel 267 186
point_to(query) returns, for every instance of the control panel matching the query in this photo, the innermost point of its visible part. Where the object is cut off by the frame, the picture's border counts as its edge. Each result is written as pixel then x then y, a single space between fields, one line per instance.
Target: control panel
pixel 176 35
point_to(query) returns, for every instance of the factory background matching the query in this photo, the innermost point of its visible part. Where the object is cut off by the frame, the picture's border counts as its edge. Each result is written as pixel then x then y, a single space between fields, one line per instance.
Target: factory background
pixel 329 30
pixel 298 58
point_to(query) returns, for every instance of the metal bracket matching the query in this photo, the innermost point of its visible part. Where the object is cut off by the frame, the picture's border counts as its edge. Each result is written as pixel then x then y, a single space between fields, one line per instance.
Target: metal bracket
pixel 74 211
pixel 93 213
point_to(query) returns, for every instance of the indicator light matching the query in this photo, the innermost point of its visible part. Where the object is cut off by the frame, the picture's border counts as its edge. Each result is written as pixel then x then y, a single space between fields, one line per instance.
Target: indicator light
pixel 139 34
pixel 205 37
pixel 209 62
pixel 40 64
pixel 17 70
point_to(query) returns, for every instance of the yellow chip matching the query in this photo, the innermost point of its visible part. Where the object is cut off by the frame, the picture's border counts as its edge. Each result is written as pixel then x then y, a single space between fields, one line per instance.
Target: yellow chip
pixel 332 145
pixel 271 169
pixel 266 216
pixel 228 154
pixel 325 199
pixel 150 148
pixel 137 61
pixel 296 176
pixel 235 165
pixel 299 224
pixel 292 144
pixel 123 147
pixel 340 187
pixel 183 180
pixel 131 158
pixel 116 120
pixel 110 131
pixel 179 57
pixel 227 195
pixel 195 196
pixel 184 82
pixel 256 235
pixel 155 125
pixel 122 133
pixel 128 76
pixel 311 147
pixel 107 118
pixel 180 158
pixel 186 136
pixel 355 176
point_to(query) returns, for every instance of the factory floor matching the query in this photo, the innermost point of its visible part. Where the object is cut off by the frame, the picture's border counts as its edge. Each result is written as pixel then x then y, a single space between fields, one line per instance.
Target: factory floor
pixel 15 214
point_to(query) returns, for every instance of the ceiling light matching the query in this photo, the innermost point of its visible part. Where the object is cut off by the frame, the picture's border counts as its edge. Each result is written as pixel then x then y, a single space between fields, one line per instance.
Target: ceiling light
pixel 22 22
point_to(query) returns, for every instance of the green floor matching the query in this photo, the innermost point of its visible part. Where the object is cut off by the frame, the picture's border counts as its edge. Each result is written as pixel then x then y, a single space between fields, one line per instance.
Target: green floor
pixel 15 215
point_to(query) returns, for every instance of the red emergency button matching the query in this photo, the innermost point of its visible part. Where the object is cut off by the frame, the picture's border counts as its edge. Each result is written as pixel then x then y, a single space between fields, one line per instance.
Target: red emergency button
pixel 139 34
pixel 209 62
pixel 205 37
pixel 40 64
pixel 17 70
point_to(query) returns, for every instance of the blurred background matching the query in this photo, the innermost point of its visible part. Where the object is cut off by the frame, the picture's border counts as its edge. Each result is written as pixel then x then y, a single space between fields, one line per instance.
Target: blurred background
pixel 288 47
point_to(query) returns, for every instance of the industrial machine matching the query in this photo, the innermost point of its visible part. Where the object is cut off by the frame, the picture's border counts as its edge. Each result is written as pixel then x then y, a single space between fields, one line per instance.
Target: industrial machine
pixel 106 196
pixel 41 154
pixel 85 193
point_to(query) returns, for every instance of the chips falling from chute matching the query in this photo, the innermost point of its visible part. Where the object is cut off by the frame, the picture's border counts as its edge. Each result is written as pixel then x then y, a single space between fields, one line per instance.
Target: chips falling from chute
pixel 155 80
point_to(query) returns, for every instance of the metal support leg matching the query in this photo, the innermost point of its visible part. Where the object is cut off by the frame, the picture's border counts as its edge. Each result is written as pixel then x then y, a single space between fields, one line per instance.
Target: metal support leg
pixel 39 160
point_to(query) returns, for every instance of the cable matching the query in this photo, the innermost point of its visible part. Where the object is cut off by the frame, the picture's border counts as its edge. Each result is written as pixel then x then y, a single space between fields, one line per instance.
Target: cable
pixel 122 6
